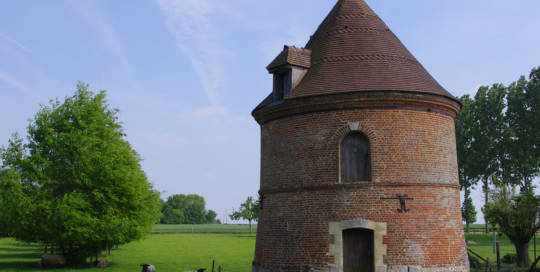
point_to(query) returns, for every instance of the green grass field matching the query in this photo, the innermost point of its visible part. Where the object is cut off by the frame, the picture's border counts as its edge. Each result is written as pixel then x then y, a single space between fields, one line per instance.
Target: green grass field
pixel 186 251
pixel 168 252
pixel 484 246
pixel 212 228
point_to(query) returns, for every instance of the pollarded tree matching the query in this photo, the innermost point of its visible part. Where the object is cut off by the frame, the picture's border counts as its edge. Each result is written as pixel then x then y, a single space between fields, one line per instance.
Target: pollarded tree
pixel 517 217
pixel 79 180
pixel 249 210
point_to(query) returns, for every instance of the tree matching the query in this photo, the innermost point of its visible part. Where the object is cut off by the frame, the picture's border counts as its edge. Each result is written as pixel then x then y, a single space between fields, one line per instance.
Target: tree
pixel 523 137
pixel 487 146
pixel 249 210
pixel 194 209
pixel 173 210
pixel 76 183
pixel 517 217
pixel 467 168
pixel 468 211
pixel 186 209
pixel 210 217
pixel 9 201
pixel 496 138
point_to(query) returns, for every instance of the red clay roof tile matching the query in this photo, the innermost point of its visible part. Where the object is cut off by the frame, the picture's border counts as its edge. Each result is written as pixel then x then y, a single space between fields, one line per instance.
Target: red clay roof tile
pixel 293 56
pixel 353 50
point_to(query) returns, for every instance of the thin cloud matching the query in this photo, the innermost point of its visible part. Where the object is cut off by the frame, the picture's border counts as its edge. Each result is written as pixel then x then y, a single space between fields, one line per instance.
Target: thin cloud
pixel 93 15
pixel 21 58
pixel 474 90
pixel 15 43
pixel 13 82
pixel 205 112
pixel 189 23
pixel 294 35
pixel 165 139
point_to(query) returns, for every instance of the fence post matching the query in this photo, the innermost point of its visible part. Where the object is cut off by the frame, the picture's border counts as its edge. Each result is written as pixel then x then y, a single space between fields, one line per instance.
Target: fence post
pixel 498 257
pixel 487 264
pixel 494 241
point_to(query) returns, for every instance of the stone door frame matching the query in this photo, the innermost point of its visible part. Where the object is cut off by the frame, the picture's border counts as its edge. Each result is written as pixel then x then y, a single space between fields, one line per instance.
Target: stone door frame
pixel 336 248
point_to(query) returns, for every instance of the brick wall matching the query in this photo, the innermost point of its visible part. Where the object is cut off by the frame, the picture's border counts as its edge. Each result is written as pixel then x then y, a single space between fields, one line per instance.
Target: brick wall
pixel 413 151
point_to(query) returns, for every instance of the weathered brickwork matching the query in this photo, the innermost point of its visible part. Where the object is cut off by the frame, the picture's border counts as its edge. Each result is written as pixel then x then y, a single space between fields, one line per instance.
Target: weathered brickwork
pixel 413 151
pixel 407 147
pixel 357 76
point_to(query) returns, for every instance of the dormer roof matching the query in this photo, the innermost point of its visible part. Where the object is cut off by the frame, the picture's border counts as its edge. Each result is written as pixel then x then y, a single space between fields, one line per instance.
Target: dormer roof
pixel 291 56
pixel 353 51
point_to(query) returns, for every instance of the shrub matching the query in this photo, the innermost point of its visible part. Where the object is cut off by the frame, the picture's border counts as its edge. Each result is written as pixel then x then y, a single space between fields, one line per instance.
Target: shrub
pixel 509 258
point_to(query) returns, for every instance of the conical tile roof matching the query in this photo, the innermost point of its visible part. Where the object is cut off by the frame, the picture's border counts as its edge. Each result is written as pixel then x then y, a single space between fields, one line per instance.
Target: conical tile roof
pixel 353 50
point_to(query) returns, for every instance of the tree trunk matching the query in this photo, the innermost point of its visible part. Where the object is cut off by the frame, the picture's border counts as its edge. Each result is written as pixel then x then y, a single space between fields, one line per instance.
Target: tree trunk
pixel 467 193
pixel 486 194
pixel 526 185
pixel 522 250
pixel 249 226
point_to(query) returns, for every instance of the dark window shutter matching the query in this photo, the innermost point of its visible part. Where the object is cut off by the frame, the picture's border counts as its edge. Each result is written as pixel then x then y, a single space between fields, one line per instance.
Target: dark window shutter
pixel 355 158
pixel 287 82
pixel 282 84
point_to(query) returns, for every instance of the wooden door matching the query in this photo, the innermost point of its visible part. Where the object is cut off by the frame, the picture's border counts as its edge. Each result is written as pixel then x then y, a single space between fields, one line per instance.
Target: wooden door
pixel 358 250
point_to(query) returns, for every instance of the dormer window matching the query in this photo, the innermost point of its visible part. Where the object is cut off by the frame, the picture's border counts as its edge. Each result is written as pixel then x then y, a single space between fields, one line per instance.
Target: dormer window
pixel 288 69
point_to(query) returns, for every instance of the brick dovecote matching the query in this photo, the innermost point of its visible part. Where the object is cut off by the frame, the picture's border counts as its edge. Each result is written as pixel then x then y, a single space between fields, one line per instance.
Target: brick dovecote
pixel 409 121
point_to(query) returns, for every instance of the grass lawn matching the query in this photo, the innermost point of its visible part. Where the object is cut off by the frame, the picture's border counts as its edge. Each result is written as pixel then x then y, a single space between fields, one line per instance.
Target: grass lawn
pixel 168 252
pixel 484 247
pixel 211 228
pixel 186 251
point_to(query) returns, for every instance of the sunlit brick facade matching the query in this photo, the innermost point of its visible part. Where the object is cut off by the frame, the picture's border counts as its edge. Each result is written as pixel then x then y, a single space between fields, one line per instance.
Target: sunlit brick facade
pixel 355 76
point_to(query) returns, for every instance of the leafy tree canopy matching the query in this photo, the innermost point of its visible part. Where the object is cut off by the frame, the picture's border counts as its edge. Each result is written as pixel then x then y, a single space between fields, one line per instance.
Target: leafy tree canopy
pixel 187 209
pixel 497 136
pixel 468 211
pixel 523 136
pixel 249 210
pixel 517 216
pixel 78 179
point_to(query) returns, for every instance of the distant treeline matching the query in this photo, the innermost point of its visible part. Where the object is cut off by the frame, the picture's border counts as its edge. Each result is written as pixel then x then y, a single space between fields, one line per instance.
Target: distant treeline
pixel 187 209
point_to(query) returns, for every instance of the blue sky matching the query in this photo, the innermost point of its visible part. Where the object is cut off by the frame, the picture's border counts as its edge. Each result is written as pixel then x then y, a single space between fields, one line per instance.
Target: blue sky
pixel 186 74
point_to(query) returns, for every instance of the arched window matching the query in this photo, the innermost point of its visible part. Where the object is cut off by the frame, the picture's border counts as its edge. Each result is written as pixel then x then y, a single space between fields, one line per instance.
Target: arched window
pixel 355 158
